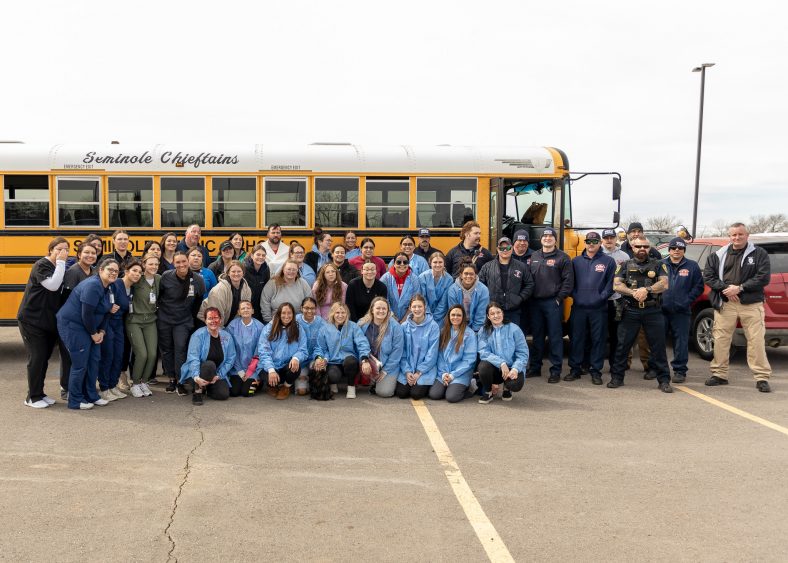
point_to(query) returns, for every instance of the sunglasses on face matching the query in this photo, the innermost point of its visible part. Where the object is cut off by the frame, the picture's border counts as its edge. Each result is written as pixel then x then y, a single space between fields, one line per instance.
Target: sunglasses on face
pixel 641 246
pixel 675 248
pixel 505 248
pixel 592 241
pixel 401 262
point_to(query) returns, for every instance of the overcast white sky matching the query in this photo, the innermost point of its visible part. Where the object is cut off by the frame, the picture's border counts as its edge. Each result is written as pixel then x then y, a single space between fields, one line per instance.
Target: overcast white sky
pixel 608 82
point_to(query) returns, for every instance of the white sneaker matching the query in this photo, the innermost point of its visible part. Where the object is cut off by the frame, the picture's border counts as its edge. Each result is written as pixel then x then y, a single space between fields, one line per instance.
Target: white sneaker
pixel 351 392
pixel 100 402
pixel 107 396
pixel 85 406
pixel 123 383
pixel 118 393
pixel 40 404
pixel 136 390
pixel 49 400
pixel 334 388
pixel 146 390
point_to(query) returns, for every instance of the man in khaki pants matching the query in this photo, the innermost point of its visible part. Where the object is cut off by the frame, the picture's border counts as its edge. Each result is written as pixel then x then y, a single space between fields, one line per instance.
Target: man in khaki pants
pixel 737 274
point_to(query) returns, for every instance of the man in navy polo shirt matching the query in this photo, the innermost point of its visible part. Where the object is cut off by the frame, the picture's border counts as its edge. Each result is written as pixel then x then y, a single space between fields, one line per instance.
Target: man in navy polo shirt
pixel 685 285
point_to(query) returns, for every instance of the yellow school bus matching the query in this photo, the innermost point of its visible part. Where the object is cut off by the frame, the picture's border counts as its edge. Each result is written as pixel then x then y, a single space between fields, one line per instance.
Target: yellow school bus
pixel 376 191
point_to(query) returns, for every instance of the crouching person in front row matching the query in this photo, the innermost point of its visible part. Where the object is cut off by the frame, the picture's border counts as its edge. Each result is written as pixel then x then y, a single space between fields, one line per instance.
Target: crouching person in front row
pixel 282 350
pixel 503 355
pixel 210 359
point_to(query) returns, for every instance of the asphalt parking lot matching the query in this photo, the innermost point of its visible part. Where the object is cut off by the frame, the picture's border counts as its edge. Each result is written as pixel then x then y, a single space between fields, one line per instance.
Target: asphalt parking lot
pixel 564 472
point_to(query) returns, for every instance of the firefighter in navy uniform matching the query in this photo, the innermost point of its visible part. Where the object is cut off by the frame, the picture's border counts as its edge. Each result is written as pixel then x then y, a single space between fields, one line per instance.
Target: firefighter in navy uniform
pixel 640 281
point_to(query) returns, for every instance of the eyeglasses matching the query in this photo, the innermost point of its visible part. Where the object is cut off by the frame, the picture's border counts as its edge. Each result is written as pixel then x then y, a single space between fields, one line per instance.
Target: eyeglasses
pixel 297 252
pixel 592 241
pixel 675 248
pixel 112 271
pixel 401 262
pixel 505 248
pixel 307 308
pixel 641 246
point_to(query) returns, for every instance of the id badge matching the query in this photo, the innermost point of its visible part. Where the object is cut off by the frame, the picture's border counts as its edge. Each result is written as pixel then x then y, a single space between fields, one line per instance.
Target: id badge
pixel 191 290
pixel 111 298
pixel 152 298
pixel 131 308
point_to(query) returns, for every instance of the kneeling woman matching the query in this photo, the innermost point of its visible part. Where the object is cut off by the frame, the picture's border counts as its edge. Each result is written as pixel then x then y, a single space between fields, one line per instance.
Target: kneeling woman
pixel 418 368
pixel 282 350
pixel 210 359
pixel 456 357
pixel 503 354
pixel 384 335
pixel 340 347
pixel 81 323
pixel 245 330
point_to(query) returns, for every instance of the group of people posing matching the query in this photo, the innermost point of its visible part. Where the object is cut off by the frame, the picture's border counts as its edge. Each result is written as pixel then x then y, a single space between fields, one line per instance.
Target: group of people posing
pixel 283 319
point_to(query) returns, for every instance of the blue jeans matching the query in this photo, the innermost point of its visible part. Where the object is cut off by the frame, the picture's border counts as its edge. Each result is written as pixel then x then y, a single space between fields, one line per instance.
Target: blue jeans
pixel 677 325
pixel 546 322
pixel 85 358
pixel 588 326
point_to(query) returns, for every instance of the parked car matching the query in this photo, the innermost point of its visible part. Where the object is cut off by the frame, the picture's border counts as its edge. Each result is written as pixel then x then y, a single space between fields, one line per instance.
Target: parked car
pixel 775 305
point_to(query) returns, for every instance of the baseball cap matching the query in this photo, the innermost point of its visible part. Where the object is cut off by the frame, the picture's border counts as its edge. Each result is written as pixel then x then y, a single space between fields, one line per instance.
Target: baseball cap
pixel 677 242
pixel 635 225
pixel 504 239
pixel 225 245
pixel 521 235
pixel 424 232
pixel 592 235
pixel 549 231
pixel 608 233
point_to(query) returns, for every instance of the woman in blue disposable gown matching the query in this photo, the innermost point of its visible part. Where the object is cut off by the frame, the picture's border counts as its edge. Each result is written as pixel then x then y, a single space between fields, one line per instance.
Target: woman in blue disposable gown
pixel 282 351
pixel 503 355
pixel 419 365
pixel 385 338
pixel 434 286
pixel 245 330
pixel 471 294
pixel 341 349
pixel 209 360
pixel 81 323
pixel 401 284
pixel 456 357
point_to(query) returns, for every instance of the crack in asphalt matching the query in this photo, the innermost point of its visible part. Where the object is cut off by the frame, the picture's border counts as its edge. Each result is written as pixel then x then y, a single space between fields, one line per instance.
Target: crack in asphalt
pixel 186 471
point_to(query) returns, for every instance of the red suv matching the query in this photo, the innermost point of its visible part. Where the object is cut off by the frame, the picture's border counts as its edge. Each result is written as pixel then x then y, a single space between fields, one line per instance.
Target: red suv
pixel 776 304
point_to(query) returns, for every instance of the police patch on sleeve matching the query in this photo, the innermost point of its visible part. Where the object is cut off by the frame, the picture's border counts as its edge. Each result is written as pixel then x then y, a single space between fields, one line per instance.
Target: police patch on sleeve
pixel 618 268
pixel 664 269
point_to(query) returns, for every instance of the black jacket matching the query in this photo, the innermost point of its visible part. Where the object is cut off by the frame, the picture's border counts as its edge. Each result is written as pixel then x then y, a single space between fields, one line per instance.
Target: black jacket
pixel 455 257
pixel 179 300
pixel 553 274
pixel 256 280
pixel 358 297
pixel 519 287
pixel 755 271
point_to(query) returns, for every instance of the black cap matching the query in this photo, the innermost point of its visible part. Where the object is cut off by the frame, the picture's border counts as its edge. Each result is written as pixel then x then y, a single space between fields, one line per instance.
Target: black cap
pixel 522 234
pixel 633 226
pixel 608 233
pixel 549 231
pixel 678 242
pixel 225 245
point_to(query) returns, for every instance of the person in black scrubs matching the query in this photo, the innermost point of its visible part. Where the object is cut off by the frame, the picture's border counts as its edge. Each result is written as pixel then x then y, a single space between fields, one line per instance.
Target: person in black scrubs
pixel 36 316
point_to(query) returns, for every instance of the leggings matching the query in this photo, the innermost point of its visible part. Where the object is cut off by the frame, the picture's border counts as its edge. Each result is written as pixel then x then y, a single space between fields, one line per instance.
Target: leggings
pixel 348 368
pixel 219 391
pixel 144 338
pixel 404 391
pixel 490 374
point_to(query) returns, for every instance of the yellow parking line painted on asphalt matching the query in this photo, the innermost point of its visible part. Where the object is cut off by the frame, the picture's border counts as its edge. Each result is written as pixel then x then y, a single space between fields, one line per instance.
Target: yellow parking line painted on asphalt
pixel 485 531
pixel 734 410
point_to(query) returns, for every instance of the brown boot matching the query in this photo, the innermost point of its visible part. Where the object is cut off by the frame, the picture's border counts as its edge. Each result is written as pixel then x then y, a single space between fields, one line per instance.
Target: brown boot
pixel 283 393
pixel 271 390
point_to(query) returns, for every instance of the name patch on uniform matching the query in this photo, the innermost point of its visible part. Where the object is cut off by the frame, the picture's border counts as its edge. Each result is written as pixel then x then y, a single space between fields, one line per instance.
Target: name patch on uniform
pixel 599 268
pixel 550 262
pixel 683 273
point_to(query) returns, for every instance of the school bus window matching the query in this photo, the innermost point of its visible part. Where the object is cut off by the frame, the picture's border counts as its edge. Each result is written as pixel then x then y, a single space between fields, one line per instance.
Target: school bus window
pixel 445 202
pixel 79 202
pixel 234 202
pixel 387 203
pixel 285 202
pixel 26 201
pixel 182 201
pixel 130 201
pixel 336 202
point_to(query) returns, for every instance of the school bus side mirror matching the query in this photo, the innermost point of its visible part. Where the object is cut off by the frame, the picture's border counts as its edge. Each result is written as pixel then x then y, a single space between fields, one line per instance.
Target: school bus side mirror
pixel 616 189
pixel 616 217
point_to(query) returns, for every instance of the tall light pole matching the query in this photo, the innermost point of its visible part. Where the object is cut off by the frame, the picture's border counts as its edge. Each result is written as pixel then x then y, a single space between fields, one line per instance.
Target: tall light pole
pixel 702 70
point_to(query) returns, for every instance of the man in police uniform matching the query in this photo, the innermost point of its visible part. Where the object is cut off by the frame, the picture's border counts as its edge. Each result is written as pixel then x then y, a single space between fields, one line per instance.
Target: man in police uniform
pixel 640 281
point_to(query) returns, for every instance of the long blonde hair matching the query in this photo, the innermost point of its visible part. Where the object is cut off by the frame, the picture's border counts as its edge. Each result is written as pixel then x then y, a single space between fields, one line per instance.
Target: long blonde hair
pixel 369 319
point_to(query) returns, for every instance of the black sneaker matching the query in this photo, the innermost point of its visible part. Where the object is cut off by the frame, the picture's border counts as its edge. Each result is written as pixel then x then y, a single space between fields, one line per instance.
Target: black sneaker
pixel 679 378
pixel 64 394
pixel 532 373
pixel 486 398
pixel 763 386
pixel 665 387
pixel 648 375
pixel 554 378
pixel 181 390
pixel 596 379
pixel 153 381
pixel 252 390
pixel 614 384
pixel 714 380
pixel 372 390
pixel 171 387
pixel 571 376
pixel 507 395
pixel 197 399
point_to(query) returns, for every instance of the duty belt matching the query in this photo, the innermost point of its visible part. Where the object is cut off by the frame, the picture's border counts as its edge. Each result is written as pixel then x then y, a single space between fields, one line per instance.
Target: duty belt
pixel 642 304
